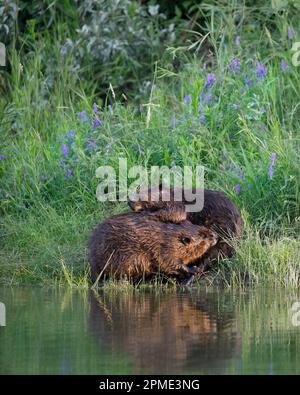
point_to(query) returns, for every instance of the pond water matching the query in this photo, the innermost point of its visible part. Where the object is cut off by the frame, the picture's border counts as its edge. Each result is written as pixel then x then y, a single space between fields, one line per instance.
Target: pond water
pixel 192 332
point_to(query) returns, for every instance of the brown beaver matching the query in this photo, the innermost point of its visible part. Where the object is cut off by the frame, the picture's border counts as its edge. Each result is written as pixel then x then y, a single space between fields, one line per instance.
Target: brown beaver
pixel 218 214
pixel 140 245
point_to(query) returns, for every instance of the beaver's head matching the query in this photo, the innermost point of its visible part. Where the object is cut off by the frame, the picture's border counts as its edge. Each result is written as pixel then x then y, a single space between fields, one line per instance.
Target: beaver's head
pixel 154 198
pixel 188 242
pixel 146 199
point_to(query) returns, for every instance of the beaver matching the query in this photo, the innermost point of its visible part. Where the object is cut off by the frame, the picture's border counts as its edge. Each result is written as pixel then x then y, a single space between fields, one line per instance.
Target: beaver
pixel 218 214
pixel 140 245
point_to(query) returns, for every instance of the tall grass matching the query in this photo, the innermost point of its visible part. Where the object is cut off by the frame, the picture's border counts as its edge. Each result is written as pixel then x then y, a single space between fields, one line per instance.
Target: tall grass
pixel 235 112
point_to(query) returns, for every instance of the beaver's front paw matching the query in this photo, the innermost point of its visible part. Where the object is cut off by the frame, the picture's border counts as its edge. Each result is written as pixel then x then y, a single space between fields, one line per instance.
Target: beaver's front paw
pixel 194 270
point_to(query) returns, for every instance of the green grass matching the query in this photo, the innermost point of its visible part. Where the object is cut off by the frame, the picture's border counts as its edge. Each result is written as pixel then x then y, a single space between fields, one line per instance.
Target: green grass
pixel 46 217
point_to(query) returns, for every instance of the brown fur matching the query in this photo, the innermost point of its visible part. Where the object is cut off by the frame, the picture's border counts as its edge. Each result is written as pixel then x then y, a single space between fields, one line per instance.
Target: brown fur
pixel 218 213
pixel 140 245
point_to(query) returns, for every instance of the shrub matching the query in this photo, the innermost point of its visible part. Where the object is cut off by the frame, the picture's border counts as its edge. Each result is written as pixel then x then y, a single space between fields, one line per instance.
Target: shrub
pixel 119 41
pixel 8 18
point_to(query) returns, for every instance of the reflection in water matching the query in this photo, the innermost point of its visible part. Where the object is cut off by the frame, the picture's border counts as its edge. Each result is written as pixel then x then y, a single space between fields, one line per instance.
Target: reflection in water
pixel 79 332
pixel 168 333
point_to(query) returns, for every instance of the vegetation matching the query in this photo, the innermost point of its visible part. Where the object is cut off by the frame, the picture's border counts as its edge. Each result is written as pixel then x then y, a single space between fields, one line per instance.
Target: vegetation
pixel 222 91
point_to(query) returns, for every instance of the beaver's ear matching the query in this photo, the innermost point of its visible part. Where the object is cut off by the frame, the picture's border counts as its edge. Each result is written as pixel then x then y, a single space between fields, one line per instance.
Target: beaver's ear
pixel 208 222
pixel 135 206
pixel 203 231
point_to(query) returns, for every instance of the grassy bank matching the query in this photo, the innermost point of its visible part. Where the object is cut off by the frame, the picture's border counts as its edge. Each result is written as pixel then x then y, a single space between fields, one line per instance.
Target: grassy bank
pixel 233 109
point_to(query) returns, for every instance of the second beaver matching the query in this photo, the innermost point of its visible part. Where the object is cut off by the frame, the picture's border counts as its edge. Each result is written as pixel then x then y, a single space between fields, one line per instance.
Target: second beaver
pixel 140 245
pixel 218 214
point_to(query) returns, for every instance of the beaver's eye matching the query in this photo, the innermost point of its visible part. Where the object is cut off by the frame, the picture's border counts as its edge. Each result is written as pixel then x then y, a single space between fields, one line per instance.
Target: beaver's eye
pixel 185 240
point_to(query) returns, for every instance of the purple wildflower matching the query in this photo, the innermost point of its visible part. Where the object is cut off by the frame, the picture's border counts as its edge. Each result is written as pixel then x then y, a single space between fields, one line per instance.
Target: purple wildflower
pixel 3 157
pixel 262 110
pixel 235 168
pixel 227 166
pixel 210 79
pixel 71 133
pixel 187 99
pixel 95 107
pixel 270 172
pixel 69 173
pixel 290 32
pixel 273 158
pixel 204 66
pixel 205 97
pixel 235 66
pixel 202 118
pixel 208 98
pixel 261 70
pixel 272 164
pixel 248 82
pixel 284 66
pixel 96 122
pixel 237 188
pixel 65 149
pixel 200 107
pixel 237 41
pixel 83 116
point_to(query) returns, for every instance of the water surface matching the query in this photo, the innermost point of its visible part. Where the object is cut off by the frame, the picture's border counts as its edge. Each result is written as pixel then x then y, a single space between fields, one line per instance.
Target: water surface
pixel 196 332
